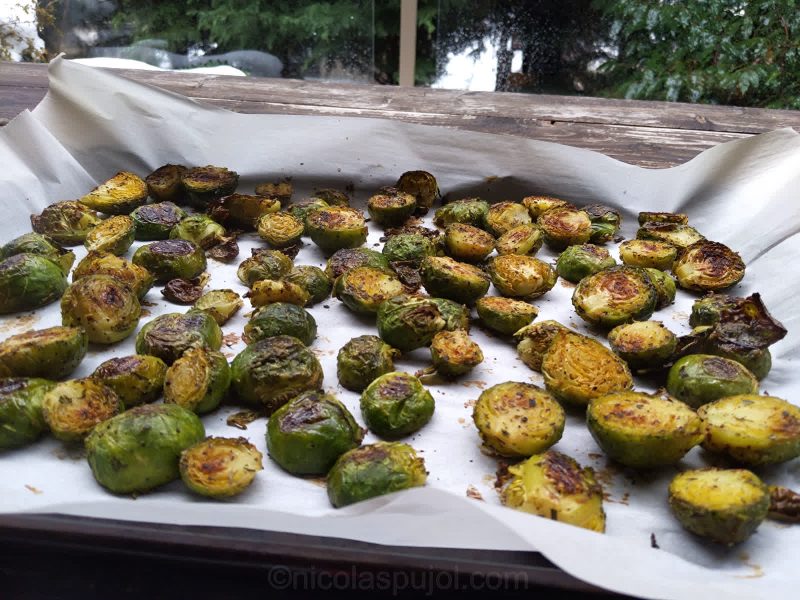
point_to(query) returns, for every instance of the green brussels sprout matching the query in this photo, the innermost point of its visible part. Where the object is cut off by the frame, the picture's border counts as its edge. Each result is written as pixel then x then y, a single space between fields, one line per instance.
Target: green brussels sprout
pixel 313 280
pixel 468 211
pixel 136 379
pixel 605 222
pixel 198 380
pixel 577 369
pixel 534 340
pixel 554 486
pixel 521 276
pixel 118 196
pixel 201 230
pixel 643 431
pixel 114 235
pixel 139 279
pixel 752 429
pixel 505 216
pixel 662 217
pixel 171 259
pixel 504 315
pixel 66 222
pixel 54 352
pixel 156 221
pixel 538 205
pixel 267 291
pixel 362 360
pixel 391 207
pixel 220 467
pixel 141 448
pixel 707 310
pixel 332 197
pixel 679 235
pixel 422 186
pixel 264 264
pixel 524 239
pixel 648 253
pixel 28 281
pixel 281 318
pixel 643 344
pixel 345 259
pixel 447 278
pixel 409 322
pixel 374 470
pixel 301 210
pixel 36 243
pixel 664 285
pixel 279 229
pixel 723 505
pixel 205 184
pixel 467 243
pixel 73 408
pixel 577 262
pixel 564 227
pixel 708 267
pixel 455 315
pixel 518 419
pixel 309 433
pixel 221 305
pixel 364 289
pixel 242 210
pixel 169 335
pixel 615 296
pixel 21 418
pixel 164 184
pixel 698 379
pixel 336 227
pixel 408 247
pixel 274 370
pixel 396 404
pixel 453 354
pixel 106 308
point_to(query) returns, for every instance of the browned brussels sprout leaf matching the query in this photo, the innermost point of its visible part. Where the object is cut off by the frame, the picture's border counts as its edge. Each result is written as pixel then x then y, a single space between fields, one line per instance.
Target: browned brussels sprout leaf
pixel 185 291
pixel 748 323
pixel 784 504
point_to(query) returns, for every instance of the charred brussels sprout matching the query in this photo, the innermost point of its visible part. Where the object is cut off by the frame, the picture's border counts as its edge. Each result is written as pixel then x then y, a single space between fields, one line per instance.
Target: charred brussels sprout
pixel 698 379
pixel 708 267
pixel 744 321
pixel 518 419
pixel 332 197
pixel 408 247
pixel 73 408
pixel 396 405
pixel 678 234
pixel 752 429
pixel 313 280
pixel 265 264
pixel 205 184
pixel 643 431
pixel 282 190
pixel 336 227
pixel 140 449
pixel 155 221
pixel 524 239
pixel 521 276
pixel 564 227
pixel 243 210
pixel 615 296
pixel 301 210
pixel 468 243
pixel 374 470
pixel 54 352
pixel 469 211
pixel 171 259
pixel 605 222
pixel 662 217
pixel 455 315
pixel 350 258
pixel 648 253
pixel 164 184
pixel 136 379
pixel 362 360
pixel 36 243
pixel 534 340
pixel 168 336
pixel 364 289
pixel 220 467
pixel 554 486
pixel 391 207
pixel 221 305
pixel 409 322
pixel 281 318
pixel 28 281
pixel 21 419
pixel 114 235
pixel 279 229
pixel 664 285
pixel 117 196
pixel 272 371
pixel 306 435
pixel 505 315
pixel 447 278
pixel 505 216
pixel 723 505
pixel 66 222
pixel 577 369
pixel 200 230
pixel 198 380
pixel 453 353
pixel 643 343
pixel 107 309
pixel 577 262
pixel 139 279
pixel 267 291
pixel 757 360
pixel 422 186
pixel 538 205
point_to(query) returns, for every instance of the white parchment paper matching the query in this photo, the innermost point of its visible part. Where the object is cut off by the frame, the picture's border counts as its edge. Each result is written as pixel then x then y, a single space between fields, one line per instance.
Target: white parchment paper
pixel 743 193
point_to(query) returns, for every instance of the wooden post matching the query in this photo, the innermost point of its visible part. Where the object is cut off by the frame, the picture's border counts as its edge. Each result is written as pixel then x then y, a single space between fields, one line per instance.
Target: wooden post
pixel 408 41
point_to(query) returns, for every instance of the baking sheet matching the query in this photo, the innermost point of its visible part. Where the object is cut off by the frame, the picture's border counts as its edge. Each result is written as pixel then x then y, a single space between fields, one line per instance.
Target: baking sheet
pixel 743 193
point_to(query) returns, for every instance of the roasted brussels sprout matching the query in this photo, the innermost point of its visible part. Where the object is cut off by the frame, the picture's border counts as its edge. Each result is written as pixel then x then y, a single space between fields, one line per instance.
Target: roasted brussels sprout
pixel 168 336
pixel 73 408
pixel 54 352
pixel 171 259
pixel 422 186
pixel 374 470
pixel 505 315
pixel 114 235
pixel 155 221
pixel 614 296
pixel 66 222
pixel 505 216
pixel 198 380
pixel 447 278
pixel 205 184
pixel 264 264
pixel 21 419
pixel 267 291
pixel 698 379
pixel 220 467
pixel 164 184
pixel 784 504
pixel 708 267
pixel 534 340
pixel 201 230
pixel 362 360
pixel 554 486
pixel 605 222
pixel 345 259
pixel 332 197
pixel 136 379
pixel 36 243
pixel 391 207
pixel 282 190
pixel 453 353
pixel 274 370
pixel 408 247
pixel 313 280
pixel 455 315
pixel 139 279
pixel 538 205
pixel 564 227
pixel 648 253
pixel 185 291
pixel 281 318
pixel 664 285
pixel 364 289
pixel 757 360
pixel 523 239
pixel 140 449
pixel 518 419
pixel 723 505
pixel 243 210
pixel 521 276
pixel 643 344
pixel 743 321
pixel 118 196
pixel 678 234
pixel 577 262
pixel 301 210
pixel 28 281
pixel 469 211
pixel 306 435
pixel 279 229
pixel 468 243
pixel 409 322
pixel 336 227
pixel 396 404
pixel 662 217
pixel 577 369
pixel 107 309
pixel 707 310
pixel 220 304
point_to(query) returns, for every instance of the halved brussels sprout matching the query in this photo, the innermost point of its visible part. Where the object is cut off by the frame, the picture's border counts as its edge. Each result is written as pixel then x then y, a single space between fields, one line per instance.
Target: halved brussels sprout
pixel 422 186
pixel 662 217
pixel 723 505
pixel 396 404
pixel 136 379
pixel 521 276
pixel 534 340
pixel 752 429
pixel 577 262
pixel 264 264
pixel 200 230
pixel 643 344
pixel 155 221
pixel 698 379
pixel 114 235
pixel 313 280
pixel 267 291
pixel 743 321
pixel 362 360
pixel 73 408
pixel 664 285
pixel 281 318
pixel 469 211
pixel 168 336
pixel 205 184
pixel 708 267
pixel 139 279
pixel 345 259
pixel 140 449
pixel 364 289
pixel 118 196
pixel 66 222
pixel 391 207
pixel 409 322
pixel 605 222
pixel 505 216
pixel 279 229
pixel 615 296
pixel 36 243
pixel 518 419
pixel 757 360
pixel 468 243
pixel 301 210
pixel 554 486
pixel 374 470
pixel 220 304
pixel 198 380
pixel 643 431
pixel 447 278
pixel 455 315
pixel 505 315
pixel 21 419
pixel 309 433
pixel 408 247
pixel 220 467
pixel 679 235
pixel 274 370
pixel 332 197
pixel 28 281
pixel 336 227
pixel 54 352
pixel 453 354
pixel 282 190
pixel 538 205
pixel 577 369
pixel 171 259
pixel 707 310
pixel 164 184
pixel 648 253
pixel 106 308
pixel 564 227
pixel 524 239
pixel 242 210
